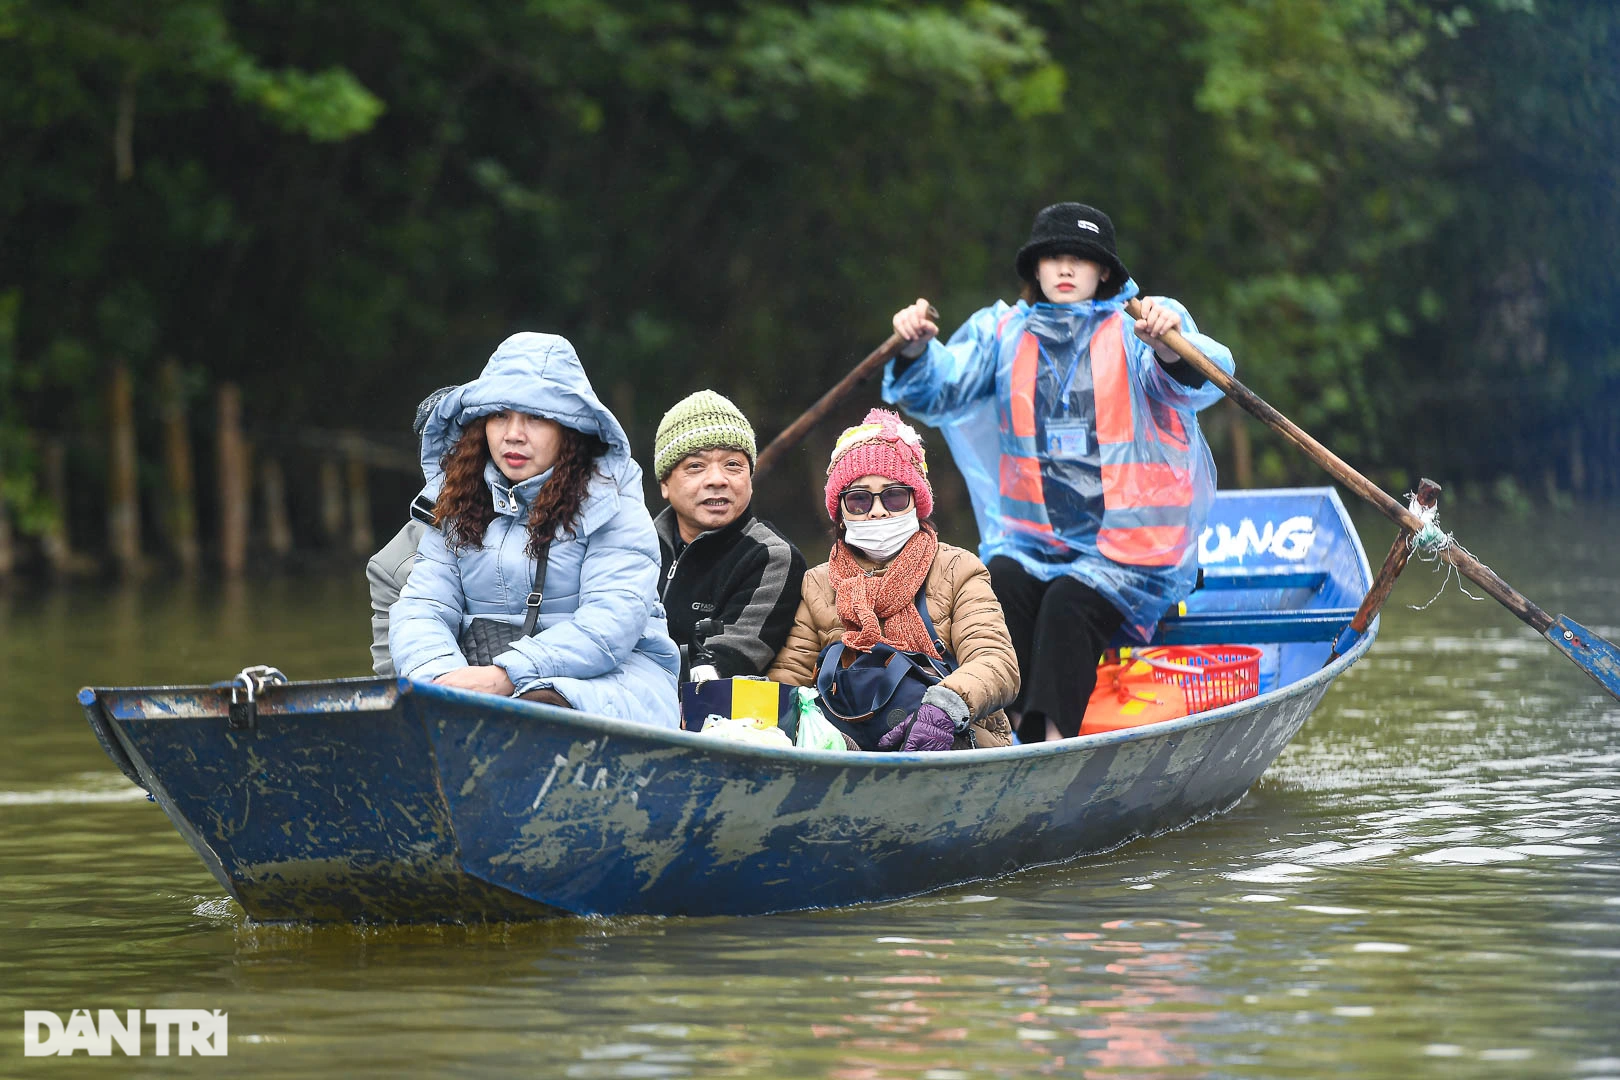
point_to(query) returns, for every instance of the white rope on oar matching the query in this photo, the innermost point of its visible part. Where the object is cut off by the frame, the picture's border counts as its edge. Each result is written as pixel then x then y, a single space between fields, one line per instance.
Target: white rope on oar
pixel 1427 544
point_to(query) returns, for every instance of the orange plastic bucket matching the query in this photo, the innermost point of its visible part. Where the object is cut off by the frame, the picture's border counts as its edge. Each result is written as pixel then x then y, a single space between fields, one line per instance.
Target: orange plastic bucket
pixel 1127 696
pixel 1168 681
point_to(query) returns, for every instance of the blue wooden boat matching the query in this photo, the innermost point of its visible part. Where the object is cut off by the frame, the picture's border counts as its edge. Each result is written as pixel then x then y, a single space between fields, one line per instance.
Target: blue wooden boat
pixel 378 800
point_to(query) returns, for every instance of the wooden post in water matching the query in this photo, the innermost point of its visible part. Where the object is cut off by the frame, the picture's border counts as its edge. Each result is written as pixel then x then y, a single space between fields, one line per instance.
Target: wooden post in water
pixel 1598 473
pixel 1614 455
pixel 331 483
pixel 235 481
pixel 123 491
pixel 53 541
pixel 360 534
pixel 624 407
pixel 179 475
pixel 8 543
pixel 277 526
pixel 1577 462
pixel 1242 446
pixel 8 549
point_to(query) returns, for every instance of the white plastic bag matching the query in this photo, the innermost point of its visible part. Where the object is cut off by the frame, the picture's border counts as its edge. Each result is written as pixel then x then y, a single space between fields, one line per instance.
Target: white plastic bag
pixel 744 730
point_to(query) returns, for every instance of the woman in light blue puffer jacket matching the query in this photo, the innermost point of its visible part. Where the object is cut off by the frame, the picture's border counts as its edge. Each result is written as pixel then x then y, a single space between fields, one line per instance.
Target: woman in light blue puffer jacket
pixel 524 454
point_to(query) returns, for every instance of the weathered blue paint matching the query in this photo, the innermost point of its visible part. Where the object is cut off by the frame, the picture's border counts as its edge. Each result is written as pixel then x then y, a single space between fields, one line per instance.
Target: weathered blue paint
pixel 369 800
pixel 1597 656
pixel 105 736
pixel 327 810
pixel 619 819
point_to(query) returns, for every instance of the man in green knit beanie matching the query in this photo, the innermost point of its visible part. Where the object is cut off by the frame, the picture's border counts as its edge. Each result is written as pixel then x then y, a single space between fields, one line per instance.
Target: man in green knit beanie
pixel 720 562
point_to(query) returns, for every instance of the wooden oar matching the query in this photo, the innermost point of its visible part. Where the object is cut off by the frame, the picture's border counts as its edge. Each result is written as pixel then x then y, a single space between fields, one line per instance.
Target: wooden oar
pixel 1595 655
pixel 813 415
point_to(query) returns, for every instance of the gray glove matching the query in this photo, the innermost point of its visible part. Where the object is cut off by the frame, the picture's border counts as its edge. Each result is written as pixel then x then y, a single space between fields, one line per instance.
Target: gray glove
pixel 950 703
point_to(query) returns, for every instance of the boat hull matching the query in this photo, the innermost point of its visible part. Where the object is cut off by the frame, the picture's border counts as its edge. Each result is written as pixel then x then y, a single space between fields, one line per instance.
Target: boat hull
pixel 376 801
pixel 621 821
pixel 327 810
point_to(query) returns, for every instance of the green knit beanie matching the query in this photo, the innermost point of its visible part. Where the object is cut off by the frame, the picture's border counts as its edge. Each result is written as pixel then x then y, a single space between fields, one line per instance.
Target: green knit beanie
pixel 702 421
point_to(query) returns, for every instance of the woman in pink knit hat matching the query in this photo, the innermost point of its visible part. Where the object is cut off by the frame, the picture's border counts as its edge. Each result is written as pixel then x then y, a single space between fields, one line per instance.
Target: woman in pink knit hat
pixel 891 587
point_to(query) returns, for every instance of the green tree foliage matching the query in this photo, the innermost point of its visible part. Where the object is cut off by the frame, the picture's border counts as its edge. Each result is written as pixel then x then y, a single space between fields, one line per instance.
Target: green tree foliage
pixel 1400 213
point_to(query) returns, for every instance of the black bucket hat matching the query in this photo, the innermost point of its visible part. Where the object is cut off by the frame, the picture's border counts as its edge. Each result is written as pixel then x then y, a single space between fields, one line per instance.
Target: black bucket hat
pixel 1071 228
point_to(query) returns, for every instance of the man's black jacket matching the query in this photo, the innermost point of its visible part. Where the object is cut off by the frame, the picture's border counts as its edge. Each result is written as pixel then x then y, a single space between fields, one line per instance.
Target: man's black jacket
pixel 746 575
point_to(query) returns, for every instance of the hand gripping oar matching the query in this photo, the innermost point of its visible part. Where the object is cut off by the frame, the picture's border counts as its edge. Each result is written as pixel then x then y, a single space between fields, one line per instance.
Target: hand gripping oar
pixel 813 415
pixel 1594 655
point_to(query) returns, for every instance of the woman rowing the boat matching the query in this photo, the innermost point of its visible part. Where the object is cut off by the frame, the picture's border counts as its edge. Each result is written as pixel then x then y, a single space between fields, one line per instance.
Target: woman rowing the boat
pixel 893 602
pixel 1075 430
pixel 541 580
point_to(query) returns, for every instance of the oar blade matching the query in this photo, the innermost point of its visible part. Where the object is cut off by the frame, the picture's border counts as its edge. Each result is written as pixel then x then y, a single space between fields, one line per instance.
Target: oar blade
pixel 1597 656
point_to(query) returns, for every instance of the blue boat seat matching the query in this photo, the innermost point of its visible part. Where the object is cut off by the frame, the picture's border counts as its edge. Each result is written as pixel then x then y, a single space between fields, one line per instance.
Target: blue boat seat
pixel 1251 627
pixel 1266 577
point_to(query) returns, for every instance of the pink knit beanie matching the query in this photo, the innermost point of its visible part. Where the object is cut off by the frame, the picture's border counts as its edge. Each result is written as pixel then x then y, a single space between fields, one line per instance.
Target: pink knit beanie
pixel 881 445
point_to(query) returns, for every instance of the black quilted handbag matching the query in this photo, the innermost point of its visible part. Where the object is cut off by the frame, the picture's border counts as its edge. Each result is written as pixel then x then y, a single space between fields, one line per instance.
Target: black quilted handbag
pixel 485 639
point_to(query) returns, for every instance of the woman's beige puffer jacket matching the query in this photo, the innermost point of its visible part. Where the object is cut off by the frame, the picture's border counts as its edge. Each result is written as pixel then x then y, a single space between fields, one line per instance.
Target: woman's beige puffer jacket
pixel 965 612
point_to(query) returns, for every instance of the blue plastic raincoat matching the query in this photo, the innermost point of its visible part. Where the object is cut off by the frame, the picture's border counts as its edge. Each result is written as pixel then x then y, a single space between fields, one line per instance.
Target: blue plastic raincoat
pixel 602 642
pixel 964 387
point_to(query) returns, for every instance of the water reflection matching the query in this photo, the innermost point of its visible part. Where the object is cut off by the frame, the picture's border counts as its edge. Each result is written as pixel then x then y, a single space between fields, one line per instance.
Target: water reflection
pixel 1128 1022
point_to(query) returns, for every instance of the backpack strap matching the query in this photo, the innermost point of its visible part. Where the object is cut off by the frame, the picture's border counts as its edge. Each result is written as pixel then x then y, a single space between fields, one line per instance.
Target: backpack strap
pixel 933 634
pixel 532 618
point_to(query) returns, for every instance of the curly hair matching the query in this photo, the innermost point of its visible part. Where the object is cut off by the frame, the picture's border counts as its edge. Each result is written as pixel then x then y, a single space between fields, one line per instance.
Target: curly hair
pixel 465 509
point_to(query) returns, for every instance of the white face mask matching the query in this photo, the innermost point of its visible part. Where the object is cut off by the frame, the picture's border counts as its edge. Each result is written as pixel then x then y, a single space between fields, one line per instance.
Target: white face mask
pixel 881 538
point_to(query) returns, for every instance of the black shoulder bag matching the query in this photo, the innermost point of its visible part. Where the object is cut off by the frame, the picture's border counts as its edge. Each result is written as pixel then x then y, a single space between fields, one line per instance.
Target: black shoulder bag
pixel 485 639
pixel 877 690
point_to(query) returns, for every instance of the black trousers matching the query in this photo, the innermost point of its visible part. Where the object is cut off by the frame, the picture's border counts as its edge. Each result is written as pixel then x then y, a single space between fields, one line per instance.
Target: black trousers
pixel 1059 628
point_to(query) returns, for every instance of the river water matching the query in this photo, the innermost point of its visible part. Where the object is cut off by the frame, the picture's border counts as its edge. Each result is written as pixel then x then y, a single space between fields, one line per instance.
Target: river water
pixel 1426 883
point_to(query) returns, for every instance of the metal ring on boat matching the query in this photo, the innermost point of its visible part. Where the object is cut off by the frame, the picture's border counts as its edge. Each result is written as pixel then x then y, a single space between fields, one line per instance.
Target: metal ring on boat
pixel 244 714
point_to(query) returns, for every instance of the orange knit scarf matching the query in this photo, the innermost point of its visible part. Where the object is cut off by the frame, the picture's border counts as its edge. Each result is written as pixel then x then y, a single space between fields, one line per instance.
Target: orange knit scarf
pixel 883 607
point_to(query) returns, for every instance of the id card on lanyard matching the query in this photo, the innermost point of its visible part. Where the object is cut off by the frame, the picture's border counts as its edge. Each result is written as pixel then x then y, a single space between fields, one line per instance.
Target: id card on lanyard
pixel 1067 438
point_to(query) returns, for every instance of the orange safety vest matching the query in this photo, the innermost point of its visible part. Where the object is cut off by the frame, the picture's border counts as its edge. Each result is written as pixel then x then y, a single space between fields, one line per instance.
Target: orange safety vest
pixel 1146 497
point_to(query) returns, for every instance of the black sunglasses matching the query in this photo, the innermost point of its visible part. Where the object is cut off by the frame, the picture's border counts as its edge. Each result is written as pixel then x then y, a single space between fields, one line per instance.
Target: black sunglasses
pixel 858 501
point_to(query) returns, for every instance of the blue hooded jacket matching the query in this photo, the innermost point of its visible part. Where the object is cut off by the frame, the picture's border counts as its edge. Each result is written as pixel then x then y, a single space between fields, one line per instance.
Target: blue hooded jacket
pixel 602 642
pixel 962 387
